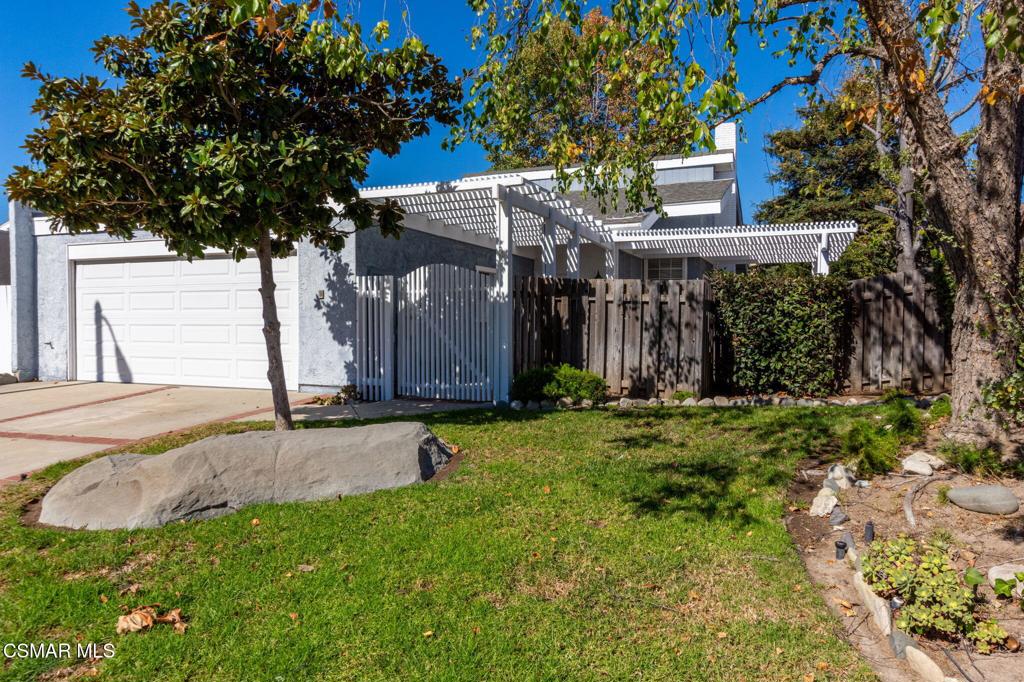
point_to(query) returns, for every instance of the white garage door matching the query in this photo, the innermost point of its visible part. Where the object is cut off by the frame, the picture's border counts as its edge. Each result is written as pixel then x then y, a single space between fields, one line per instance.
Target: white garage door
pixel 175 322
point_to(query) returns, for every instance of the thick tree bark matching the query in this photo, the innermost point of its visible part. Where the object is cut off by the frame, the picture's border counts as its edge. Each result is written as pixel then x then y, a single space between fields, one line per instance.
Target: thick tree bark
pixel 272 335
pixel 981 213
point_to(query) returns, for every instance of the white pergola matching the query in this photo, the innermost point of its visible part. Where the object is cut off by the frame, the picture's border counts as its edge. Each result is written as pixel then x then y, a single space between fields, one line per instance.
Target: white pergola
pixel 816 243
pixel 508 211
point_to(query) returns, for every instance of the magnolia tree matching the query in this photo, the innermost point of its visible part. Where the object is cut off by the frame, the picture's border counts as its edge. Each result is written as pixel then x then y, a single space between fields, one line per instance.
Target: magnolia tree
pixel 939 60
pixel 237 125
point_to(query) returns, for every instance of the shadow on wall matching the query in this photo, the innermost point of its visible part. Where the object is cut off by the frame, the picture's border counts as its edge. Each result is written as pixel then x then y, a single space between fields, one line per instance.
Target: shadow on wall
pixel 124 372
pixel 340 291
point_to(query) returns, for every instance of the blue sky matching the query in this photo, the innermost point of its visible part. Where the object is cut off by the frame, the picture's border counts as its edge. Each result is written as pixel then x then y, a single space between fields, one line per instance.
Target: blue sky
pixel 71 26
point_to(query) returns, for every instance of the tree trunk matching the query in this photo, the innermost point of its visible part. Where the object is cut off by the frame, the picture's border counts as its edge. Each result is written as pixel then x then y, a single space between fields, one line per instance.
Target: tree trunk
pixel 906 231
pixel 272 335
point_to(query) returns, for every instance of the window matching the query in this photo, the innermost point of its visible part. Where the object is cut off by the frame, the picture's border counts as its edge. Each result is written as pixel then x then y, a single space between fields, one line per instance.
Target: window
pixel 666 268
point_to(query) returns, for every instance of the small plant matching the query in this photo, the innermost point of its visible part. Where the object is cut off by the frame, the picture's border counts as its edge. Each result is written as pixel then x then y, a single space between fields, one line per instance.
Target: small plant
pixel 904 418
pixel 889 567
pixel 347 394
pixel 896 395
pixel 683 395
pixel 987 636
pixel 942 494
pixel 937 602
pixel 540 383
pixel 940 408
pixel 529 384
pixel 869 449
pixel 1005 587
pixel 970 459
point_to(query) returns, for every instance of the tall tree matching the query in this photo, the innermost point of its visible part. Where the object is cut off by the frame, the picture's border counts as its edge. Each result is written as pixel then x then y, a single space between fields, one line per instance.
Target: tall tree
pixel 824 169
pixel 533 124
pixel 977 207
pixel 231 124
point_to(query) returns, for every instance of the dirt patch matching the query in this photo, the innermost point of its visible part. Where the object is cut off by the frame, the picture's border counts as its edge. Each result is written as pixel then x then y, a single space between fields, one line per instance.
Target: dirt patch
pixel 980 540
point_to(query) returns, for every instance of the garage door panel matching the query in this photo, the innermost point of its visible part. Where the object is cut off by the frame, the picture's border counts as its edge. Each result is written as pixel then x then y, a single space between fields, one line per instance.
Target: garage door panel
pixel 141 302
pixel 177 322
pixel 152 270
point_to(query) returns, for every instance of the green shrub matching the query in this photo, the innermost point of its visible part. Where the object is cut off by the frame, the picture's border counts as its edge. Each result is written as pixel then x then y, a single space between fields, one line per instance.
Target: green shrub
pixel 529 385
pixel 578 384
pixel 683 395
pixel 784 330
pixel 903 417
pixel 970 459
pixel 940 408
pixel 869 449
pixel 552 383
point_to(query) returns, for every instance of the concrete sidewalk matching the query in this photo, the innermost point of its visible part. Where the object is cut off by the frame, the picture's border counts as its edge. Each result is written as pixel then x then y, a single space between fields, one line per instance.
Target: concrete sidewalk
pixel 46 422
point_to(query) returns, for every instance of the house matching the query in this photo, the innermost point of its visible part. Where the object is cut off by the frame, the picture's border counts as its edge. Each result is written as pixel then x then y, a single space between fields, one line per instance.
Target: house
pixel 91 307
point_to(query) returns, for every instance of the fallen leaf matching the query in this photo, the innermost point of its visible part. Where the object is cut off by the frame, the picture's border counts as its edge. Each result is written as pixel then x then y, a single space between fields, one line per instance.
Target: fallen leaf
pixel 822 665
pixel 214 561
pixel 132 589
pixel 547 490
pixel 180 627
pixel 1012 644
pixel 809 677
pixel 778 651
pixel 749 533
pixel 103 599
pixel 136 621
pixel 798 588
pixel 306 568
pixel 293 616
pixel 842 602
pixel 428 633
pixel 255 522
pixel 694 595
pixel 455 449
pixel 722 635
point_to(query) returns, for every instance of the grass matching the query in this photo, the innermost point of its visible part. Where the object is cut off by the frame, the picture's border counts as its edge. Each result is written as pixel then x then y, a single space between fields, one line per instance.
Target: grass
pixel 570 545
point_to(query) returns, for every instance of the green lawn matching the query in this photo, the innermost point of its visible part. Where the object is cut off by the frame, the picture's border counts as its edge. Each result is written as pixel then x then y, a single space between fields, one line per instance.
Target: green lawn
pixel 570 545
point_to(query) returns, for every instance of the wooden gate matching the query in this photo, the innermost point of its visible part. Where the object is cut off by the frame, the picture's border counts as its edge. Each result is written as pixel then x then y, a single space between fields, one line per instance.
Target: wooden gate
pixel 429 334
pixel 898 336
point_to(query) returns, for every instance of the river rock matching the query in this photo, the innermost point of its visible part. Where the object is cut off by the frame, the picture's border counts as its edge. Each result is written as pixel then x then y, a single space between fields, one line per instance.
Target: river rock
pixel 986 499
pixel 222 474
pixel 824 502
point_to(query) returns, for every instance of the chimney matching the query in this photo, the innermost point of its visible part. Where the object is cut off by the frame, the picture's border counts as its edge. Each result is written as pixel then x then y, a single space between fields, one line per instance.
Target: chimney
pixel 725 136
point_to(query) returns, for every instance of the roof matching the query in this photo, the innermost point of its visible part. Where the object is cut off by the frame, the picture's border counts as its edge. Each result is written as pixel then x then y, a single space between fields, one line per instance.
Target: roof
pixel 671 193
pixel 532 169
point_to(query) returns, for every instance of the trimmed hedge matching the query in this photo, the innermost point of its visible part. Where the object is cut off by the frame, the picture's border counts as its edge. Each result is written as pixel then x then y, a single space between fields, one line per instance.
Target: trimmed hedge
pixel 553 383
pixel 785 331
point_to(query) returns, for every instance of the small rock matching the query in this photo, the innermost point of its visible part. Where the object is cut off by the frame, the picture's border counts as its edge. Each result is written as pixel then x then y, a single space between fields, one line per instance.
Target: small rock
pixel 721 401
pixel 706 402
pixel 690 402
pixel 876 606
pixel 625 403
pixel 838 517
pixel 532 405
pixel 818 403
pixel 1007 572
pixel 861 483
pixel 654 402
pixel 843 478
pixel 913 465
pixel 898 642
pixel 586 403
pixel 501 405
pixel 823 503
pixel 923 665
pixel 776 400
pixel 547 405
pixel 516 404
pixel 804 402
pixel 565 402
pixel 922 457
pixel 833 485
pixel 986 499
pixel 672 402
pixel 787 402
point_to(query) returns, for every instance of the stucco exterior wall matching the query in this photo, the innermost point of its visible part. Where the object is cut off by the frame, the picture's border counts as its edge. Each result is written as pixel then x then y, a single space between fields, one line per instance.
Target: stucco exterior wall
pixel 327 304
pixel 5 258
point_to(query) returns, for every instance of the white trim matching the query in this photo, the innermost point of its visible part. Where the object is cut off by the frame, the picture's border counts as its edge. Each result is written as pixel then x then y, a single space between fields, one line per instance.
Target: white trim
pixel 41 226
pixel 125 250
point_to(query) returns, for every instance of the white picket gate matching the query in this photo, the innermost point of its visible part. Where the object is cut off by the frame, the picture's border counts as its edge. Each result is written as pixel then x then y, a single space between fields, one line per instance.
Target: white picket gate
pixel 429 334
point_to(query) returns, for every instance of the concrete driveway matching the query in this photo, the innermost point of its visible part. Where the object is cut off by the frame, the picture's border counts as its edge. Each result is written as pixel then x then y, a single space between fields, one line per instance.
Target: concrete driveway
pixel 46 422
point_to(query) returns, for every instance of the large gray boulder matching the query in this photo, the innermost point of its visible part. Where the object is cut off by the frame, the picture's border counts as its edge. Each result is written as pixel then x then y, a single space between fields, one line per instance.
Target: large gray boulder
pixel 987 499
pixel 222 474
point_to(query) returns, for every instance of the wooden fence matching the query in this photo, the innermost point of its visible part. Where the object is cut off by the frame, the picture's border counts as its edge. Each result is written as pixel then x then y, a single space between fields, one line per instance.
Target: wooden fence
pixel 644 337
pixel 898 337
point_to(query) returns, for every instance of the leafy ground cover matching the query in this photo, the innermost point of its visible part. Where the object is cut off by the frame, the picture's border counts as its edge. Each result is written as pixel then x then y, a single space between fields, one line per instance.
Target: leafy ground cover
pixel 583 545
